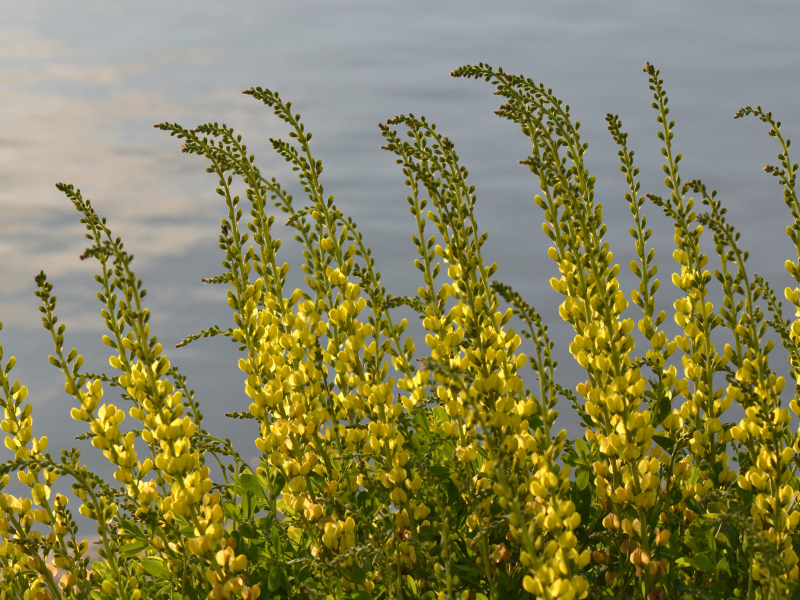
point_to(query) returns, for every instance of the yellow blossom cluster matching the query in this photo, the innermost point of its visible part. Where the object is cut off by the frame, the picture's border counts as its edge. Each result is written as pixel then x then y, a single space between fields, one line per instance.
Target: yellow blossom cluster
pixel 310 433
pixel 26 562
pixel 171 488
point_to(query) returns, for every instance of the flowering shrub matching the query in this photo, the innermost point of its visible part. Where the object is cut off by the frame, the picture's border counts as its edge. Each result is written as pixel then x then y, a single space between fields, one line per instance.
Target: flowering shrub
pixel 392 471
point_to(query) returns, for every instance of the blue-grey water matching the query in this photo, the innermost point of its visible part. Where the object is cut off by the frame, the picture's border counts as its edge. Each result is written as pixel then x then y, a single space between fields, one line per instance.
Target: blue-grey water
pixel 82 83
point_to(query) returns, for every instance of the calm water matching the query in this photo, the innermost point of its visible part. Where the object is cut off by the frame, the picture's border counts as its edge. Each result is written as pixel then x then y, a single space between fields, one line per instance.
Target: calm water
pixel 82 83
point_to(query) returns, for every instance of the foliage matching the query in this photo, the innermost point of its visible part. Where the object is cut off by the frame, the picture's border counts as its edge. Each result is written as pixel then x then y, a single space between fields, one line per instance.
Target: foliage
pixel 388 471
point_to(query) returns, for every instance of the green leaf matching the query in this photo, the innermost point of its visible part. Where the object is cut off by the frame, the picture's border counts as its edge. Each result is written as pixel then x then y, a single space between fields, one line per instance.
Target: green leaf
pixel 248 531
pixel 276 578
pixel 662 409
pixel 133 529
pixel 705 563
pixel 422 421
pixel 582 479
pixel 427 533
pixel 442 473
pixel 354 572
pixel 439 415
pixel 665 442
pixel 719 589
pixel 252 483
pixel 155 568
pixel 723 566
pixel 582 448
pixel 231 511
pixel 685 562
pixel 448 449
pixel 730 532
pixel 700 562
pixel 571 459
pixel 694 476
pixel 535 422
pixel 277 486
pixel 134 548
pixel 100 567
pixel 189 593
pixel 275 537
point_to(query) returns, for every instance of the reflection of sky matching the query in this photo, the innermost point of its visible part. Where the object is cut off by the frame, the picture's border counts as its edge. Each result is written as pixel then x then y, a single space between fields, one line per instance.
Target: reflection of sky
pixel 81 85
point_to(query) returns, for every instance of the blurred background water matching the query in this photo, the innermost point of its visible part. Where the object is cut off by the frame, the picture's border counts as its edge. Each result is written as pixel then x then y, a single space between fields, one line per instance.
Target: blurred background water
pixel 82 83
